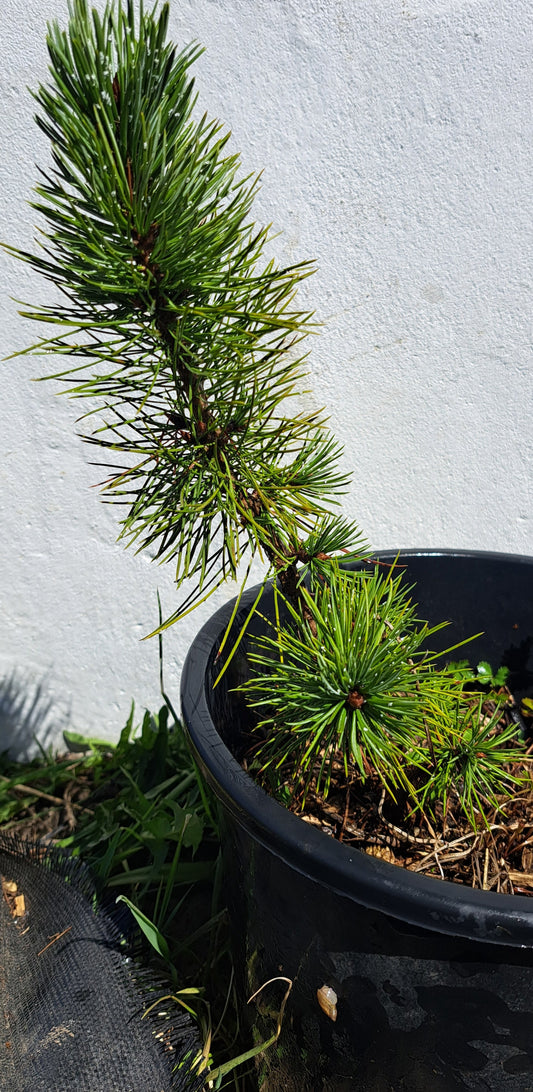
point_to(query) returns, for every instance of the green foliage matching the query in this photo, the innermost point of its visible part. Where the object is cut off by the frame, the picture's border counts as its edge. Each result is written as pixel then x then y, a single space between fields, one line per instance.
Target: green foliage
pixel 180 327
pixel 187 340
pixel 482 673
pixel 353 678
pixel 472 758
pixel 44 779
pixel 150 822
pixel 355 681
pixel 151 932
pixel 148 830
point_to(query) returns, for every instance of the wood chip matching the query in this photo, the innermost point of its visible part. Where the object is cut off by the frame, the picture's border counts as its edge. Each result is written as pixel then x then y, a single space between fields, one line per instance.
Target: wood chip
pixel 527 858
pixel 384 852
pixel 521 877
pixel 15 901
pixel 20 906
pixel 315 822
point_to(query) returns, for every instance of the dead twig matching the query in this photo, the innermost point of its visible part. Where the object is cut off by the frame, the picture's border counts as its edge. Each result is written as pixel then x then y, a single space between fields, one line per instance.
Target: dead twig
pixel 403 834
pixel 54 939
pixel 59 801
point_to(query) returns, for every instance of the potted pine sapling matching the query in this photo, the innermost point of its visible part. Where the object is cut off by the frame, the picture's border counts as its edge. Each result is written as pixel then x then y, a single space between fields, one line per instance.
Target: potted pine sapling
pixel 383 873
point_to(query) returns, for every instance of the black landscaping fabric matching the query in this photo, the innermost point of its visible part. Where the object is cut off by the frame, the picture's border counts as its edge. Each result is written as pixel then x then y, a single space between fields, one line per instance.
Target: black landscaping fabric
pixel 72 997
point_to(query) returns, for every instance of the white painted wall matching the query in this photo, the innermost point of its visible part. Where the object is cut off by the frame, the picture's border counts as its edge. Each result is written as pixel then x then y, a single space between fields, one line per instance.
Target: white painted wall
pixel 395 137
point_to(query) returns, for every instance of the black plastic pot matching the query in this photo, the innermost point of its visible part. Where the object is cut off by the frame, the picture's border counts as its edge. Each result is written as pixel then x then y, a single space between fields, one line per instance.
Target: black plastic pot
pixel 434 980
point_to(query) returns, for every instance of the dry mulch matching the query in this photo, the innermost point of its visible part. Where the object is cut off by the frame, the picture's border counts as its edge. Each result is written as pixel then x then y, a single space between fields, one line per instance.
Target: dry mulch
pixel 497 856
pixel 50 816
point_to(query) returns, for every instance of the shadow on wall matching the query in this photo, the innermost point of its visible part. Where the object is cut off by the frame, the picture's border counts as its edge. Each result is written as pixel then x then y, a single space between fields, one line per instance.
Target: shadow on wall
pixel 30 718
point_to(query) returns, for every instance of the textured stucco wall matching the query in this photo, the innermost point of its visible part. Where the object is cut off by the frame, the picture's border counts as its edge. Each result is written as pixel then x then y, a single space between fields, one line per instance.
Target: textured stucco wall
pixel 396 144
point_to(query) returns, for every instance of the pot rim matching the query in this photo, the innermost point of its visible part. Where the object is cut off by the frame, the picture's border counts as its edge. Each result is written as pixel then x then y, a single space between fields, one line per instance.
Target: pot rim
pixel 420 901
